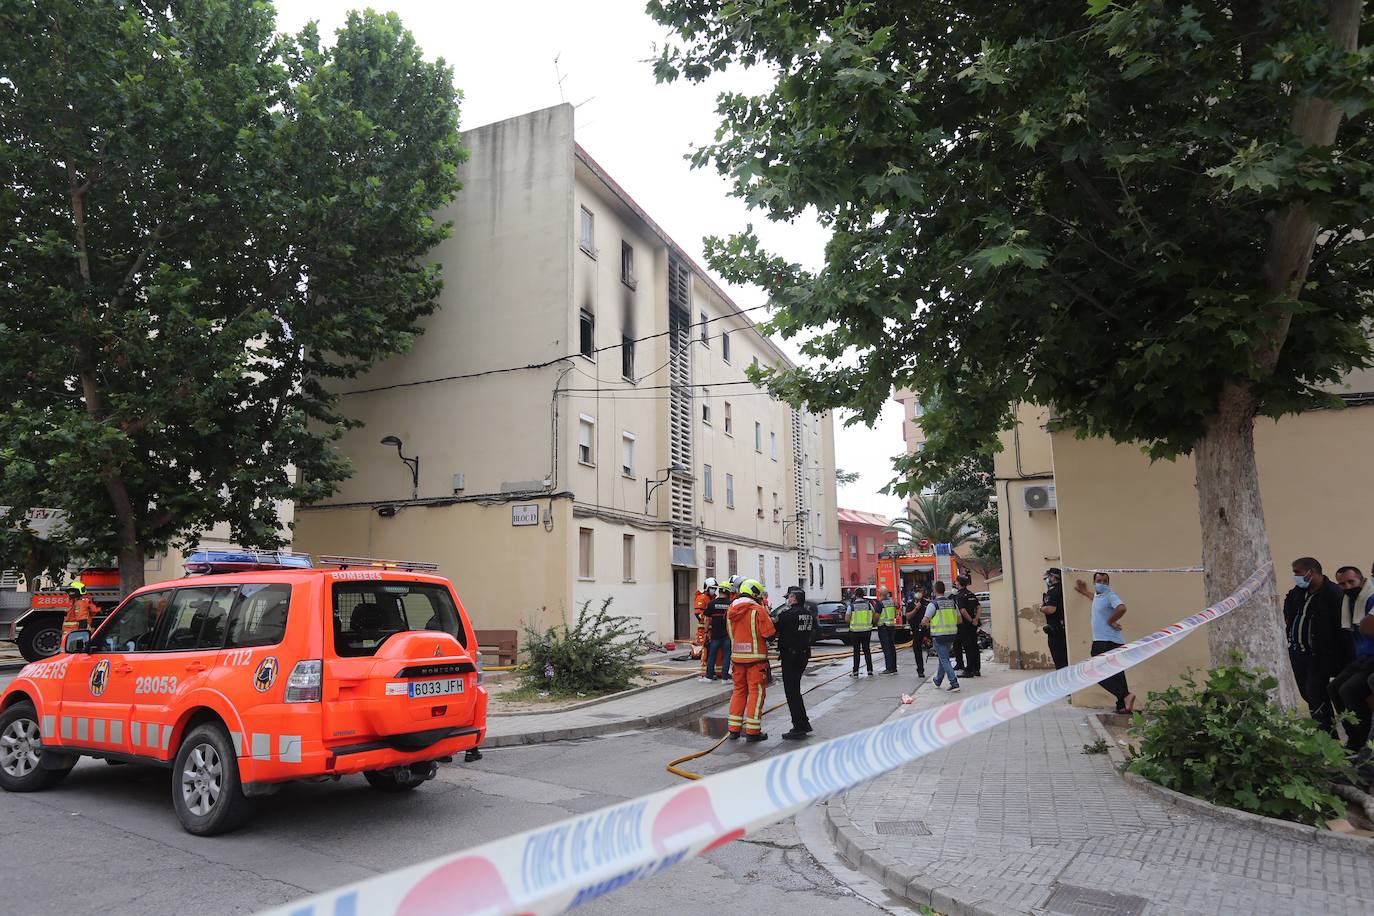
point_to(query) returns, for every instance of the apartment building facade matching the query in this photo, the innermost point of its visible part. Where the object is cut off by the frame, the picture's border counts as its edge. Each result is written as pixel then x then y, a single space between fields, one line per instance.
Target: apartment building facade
pixel 580 411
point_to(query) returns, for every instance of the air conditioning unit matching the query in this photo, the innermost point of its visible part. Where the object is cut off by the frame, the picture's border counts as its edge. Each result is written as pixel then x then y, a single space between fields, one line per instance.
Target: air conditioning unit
pixel 1039 498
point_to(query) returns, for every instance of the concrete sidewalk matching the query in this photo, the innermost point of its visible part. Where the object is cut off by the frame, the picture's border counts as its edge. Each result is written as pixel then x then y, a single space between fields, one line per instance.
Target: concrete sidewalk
pixel 1018 820
pixel 644 709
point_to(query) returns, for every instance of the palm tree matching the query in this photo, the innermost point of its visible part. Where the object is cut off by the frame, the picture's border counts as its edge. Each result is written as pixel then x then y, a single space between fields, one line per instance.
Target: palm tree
pixel 933 518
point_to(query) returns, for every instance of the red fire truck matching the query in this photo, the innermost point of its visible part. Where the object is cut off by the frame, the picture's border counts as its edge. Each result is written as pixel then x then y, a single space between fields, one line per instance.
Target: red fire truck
pixel 901 569
pixel 36 626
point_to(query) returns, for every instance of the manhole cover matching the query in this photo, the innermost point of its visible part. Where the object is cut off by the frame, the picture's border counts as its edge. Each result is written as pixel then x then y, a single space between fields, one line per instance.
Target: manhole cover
pixel 1084 901
pixel 901 828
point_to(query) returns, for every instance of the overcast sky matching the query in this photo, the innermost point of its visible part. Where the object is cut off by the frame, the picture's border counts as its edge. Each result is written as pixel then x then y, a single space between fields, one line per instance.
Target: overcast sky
pixel 503 57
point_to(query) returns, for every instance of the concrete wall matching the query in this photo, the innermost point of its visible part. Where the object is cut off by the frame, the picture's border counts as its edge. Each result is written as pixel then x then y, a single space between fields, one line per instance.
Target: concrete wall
pixel 1115 508
pixel 506 576
pixel 1030 541
pixel 507 285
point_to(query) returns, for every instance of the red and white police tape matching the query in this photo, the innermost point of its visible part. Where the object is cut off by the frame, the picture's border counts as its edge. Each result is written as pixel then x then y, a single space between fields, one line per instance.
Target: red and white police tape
pixel 1147 569
pixel 558 867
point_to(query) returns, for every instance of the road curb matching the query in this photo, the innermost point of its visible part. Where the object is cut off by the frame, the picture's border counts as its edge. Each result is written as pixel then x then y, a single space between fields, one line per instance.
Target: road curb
pixel 591 730
pixel 901 879
pixel 1272 825
pixel 865 854
pixel 619 695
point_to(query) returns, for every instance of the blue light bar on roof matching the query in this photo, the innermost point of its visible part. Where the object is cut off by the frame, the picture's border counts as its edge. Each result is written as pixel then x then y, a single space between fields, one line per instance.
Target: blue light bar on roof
pixel 223 561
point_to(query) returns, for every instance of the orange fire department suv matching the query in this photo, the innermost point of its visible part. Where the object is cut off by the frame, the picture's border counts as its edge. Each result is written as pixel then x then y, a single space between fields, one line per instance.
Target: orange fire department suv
pixel 259 671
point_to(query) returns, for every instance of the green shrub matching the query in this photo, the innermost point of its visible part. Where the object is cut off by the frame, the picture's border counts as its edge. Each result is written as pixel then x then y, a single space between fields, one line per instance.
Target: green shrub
pixel 597 654
pixel 1227 743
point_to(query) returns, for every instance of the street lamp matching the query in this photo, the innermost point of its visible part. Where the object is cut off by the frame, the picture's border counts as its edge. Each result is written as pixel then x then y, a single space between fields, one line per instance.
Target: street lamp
pixel 412 463
pixel 651 485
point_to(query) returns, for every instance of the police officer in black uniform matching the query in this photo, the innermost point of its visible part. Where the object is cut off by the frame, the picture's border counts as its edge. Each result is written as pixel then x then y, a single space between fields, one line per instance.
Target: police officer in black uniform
pixel 796 623
pixel 970 614
pixel 1052 606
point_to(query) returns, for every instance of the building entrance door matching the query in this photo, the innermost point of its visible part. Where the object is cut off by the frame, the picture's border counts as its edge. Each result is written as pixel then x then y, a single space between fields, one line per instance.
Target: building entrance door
pixel 682 603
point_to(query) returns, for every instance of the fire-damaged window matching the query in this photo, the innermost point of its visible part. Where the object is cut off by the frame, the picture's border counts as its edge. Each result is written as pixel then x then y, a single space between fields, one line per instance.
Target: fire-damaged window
pixel 627 265
pixel 587 334
pixel 627 357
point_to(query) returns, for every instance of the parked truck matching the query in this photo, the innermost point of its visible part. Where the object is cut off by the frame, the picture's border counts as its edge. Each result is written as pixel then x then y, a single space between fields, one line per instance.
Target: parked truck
pixel 33 620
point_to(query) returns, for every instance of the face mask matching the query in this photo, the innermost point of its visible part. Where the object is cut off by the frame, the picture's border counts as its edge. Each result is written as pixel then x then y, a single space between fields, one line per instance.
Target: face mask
pixel 1048 581
pixel 1101 588
pixel 1354 591
pixel 1299 581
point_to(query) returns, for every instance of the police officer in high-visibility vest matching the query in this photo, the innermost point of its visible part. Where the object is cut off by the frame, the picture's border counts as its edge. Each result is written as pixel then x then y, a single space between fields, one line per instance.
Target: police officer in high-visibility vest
pixel 860 620
pixel 943 618
pixel 887 630
pixel 750 629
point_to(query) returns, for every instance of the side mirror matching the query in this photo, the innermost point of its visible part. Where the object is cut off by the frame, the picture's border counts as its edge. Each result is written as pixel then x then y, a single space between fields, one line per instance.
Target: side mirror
pixel 77 642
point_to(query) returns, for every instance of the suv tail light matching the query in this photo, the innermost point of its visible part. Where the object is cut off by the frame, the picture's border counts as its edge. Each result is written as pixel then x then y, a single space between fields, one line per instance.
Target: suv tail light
pixel 477 657
pixel 303 686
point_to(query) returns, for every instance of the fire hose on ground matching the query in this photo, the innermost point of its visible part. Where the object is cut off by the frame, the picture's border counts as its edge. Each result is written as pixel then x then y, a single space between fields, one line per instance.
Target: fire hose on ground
pixel 674 765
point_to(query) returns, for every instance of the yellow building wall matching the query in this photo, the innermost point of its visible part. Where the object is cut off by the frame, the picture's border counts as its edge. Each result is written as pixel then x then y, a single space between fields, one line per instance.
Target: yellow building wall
pixel 506 576
pixel 1118 509
pixel 1030 542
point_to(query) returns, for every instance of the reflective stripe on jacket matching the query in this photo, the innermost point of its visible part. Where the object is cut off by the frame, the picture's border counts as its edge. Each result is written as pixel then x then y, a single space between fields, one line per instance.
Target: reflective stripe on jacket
pixel 750 627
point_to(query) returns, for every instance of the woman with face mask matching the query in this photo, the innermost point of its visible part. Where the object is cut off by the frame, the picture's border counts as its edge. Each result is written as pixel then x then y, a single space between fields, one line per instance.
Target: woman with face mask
pixel 1108 609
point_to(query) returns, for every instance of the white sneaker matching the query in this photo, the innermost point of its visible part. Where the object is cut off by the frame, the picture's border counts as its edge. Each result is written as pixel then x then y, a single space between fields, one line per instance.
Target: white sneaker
pixel 704 679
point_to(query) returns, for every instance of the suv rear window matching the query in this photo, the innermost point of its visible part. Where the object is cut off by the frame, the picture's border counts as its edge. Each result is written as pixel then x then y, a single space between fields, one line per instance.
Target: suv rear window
pixel 366 614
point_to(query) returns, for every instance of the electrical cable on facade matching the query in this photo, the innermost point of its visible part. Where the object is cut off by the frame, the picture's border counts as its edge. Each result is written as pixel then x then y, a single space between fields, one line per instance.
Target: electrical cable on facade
pixel 545 364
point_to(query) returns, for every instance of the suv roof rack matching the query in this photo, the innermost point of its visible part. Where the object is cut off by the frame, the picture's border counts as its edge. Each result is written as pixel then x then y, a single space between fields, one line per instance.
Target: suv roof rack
pixel 407 565
pixel 237 559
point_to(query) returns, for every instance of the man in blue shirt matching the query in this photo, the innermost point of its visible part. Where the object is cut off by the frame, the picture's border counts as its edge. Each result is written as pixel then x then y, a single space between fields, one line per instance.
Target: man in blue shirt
pixel 1108 609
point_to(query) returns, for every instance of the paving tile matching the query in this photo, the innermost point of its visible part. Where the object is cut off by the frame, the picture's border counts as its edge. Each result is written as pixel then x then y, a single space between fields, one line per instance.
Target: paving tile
pixel 1019 810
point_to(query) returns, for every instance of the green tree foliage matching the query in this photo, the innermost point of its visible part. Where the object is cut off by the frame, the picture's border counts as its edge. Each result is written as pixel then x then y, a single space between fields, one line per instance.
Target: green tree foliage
pixel 1154 216
pixel 844 478
pixel 1225 743
pixel 936 519
pixel 971 488
pixel 599 653
pixel 200 223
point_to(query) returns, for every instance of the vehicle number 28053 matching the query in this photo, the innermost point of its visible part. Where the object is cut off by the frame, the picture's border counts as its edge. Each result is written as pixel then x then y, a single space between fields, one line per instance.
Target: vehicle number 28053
pixel 165 684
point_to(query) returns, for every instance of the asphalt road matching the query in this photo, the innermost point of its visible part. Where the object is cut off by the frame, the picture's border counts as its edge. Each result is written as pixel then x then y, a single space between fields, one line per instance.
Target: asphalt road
pixel 106 840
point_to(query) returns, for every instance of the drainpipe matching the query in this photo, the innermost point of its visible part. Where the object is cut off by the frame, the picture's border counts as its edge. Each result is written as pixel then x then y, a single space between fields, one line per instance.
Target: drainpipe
pixel 1011 564
pixel 1011 549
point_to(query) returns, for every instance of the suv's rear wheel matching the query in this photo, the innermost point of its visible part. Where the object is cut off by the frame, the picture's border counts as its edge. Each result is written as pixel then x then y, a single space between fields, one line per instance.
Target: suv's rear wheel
pixel 206 791
pixel 21 752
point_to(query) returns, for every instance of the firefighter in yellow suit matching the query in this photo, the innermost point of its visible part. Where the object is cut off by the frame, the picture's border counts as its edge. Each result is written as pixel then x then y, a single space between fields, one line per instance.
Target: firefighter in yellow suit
pixel 750 628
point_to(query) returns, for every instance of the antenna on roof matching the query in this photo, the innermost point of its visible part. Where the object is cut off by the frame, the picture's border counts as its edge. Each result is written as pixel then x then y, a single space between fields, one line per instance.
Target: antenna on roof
pixel 558 74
